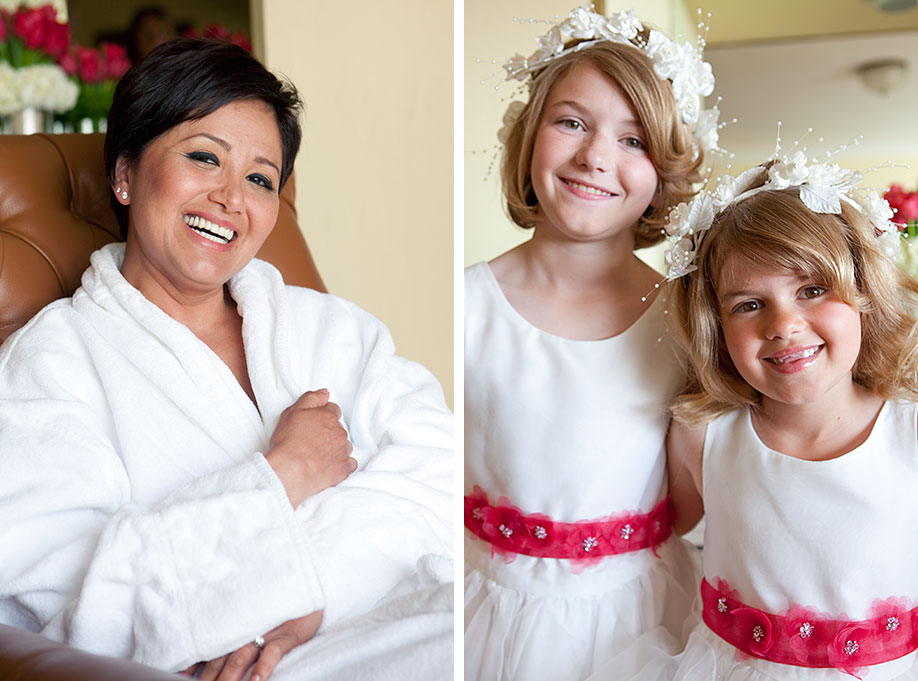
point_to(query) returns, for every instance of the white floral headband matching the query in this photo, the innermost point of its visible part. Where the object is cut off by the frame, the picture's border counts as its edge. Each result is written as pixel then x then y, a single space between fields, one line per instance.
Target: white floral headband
pixel 679 64
pixel 823 186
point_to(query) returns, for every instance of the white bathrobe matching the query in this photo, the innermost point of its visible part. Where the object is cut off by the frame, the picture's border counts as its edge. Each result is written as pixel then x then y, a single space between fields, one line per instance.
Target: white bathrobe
pixel 138 515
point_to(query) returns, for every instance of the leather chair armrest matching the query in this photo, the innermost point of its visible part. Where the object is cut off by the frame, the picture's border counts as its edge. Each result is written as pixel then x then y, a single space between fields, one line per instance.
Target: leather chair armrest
pixel 26 656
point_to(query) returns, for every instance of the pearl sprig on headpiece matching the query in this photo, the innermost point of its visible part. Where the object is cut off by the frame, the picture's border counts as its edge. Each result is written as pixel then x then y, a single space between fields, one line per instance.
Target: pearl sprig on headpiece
pixel 823 186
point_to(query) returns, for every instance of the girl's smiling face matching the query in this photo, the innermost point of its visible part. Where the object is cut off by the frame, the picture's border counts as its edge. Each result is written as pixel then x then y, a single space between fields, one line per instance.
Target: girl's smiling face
pixel 792 339
pixel 591 171
pixel 203 198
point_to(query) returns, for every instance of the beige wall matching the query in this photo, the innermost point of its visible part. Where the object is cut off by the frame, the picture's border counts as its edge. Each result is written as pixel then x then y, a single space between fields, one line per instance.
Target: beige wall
pixel 374 174
pixel 492 34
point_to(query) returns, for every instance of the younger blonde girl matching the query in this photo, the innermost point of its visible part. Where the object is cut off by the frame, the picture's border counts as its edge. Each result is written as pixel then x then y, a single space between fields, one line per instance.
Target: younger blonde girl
pixel 798 434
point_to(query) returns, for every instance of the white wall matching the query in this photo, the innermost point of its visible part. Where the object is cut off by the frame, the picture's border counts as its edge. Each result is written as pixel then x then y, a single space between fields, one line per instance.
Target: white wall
pixel 374 175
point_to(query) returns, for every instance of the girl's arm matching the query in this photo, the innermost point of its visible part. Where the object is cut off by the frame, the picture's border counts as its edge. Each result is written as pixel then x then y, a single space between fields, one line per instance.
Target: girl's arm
pixel 684 447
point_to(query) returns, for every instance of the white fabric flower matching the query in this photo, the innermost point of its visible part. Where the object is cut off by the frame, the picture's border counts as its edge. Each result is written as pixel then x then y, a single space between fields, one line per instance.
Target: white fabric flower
pixel 677 222
pixel 681 64
pixel 690 105
pixel 582 24
pixel 889 241
pixel 550 43
pixel 790 172
pixel 666 55
pixel 877 209
pixel 701 75
pixel 679 259
pixel 516 67
pixel 686 226
pixel 725 191
pixel 828 175
pixel 511 115
pixel 626 24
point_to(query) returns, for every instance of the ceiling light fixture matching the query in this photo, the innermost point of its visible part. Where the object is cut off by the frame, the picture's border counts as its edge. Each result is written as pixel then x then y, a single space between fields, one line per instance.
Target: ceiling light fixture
pixel 894 5
pixel 884 75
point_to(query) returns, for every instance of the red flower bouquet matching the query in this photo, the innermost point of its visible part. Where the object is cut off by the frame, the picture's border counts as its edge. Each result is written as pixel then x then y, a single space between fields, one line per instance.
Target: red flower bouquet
pixel 96 71
pixel 31 40
pixel 905 207
pixel 220 32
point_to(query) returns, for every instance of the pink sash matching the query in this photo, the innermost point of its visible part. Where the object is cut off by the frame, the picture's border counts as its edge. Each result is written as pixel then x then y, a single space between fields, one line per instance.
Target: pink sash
pixel 509 530
pixel 807 638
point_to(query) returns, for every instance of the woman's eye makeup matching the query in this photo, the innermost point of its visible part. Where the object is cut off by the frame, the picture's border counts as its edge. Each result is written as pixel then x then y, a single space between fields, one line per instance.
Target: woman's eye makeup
pixel 261 180
pixel 203 157
pixel 208 158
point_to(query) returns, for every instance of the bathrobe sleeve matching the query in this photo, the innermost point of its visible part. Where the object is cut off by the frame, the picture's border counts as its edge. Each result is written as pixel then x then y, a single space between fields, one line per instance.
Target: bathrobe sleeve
pixel 81 561
pixel 369 531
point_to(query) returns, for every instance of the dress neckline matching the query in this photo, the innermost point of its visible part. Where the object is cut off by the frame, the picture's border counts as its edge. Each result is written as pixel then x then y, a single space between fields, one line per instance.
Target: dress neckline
pixel 498 293
pixel 852 453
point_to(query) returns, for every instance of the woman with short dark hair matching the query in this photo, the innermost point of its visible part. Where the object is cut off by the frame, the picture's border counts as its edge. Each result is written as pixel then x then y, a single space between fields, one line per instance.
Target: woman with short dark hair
pixel 201 465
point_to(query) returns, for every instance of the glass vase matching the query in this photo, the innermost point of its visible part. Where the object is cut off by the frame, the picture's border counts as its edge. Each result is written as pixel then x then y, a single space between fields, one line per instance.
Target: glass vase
pixel 29 120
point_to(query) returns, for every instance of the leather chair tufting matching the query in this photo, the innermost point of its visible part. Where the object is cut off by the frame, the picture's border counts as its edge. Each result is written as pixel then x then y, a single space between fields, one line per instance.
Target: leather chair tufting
pixel 55 210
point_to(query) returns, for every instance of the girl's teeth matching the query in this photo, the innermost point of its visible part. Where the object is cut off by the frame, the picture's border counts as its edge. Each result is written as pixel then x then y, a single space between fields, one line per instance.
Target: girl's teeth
pixel 209 230
pixel 794 357
pixel 588 190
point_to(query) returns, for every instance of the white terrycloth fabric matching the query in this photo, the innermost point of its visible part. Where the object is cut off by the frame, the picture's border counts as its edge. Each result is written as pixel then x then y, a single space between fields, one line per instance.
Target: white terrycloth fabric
pixel 138 516
pixel 409 636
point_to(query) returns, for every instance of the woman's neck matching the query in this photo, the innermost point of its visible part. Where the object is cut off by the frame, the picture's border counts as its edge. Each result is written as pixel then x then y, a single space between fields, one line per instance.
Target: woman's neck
pixel 196 309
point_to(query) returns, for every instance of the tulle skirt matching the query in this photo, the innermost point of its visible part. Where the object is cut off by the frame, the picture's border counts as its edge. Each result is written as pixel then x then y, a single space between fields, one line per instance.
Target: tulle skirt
pixel 538 619
pixel 707 657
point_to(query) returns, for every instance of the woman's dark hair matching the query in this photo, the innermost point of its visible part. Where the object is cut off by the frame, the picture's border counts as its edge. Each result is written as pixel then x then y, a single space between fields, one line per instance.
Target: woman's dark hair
pixel 186 79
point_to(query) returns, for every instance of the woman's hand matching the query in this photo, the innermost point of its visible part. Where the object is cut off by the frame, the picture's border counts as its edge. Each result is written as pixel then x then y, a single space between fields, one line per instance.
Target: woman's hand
pixel 309 449
pixel 278 642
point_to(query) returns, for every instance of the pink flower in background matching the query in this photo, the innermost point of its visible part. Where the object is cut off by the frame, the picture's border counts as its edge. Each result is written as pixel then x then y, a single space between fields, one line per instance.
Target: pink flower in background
pixel 91 69
pixel 241 39
pixel 68 62
pixel 116 60
pixel 220 32
pixel 57 39
pixel 904 203
pixel 217 32
pixel 38 31
pixel 29 26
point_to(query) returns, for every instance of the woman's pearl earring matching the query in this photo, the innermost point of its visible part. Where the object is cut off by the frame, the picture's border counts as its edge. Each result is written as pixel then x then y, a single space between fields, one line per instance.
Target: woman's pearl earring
pixel 124 195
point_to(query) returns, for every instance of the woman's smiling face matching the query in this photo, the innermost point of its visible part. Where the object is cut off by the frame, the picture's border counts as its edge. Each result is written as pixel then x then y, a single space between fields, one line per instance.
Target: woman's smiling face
pixel 203 198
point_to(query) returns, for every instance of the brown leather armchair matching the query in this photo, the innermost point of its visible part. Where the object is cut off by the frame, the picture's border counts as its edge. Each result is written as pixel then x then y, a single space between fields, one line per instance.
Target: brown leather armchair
pixel 55 210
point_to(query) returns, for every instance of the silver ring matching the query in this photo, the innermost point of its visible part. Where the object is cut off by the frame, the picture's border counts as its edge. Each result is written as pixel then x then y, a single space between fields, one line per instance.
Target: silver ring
pixel 259 642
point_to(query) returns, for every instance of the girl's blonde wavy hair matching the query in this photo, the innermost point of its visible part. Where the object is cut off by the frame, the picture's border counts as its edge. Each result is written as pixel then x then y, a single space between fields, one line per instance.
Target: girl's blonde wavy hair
pixel 775 230
pixel 669 140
